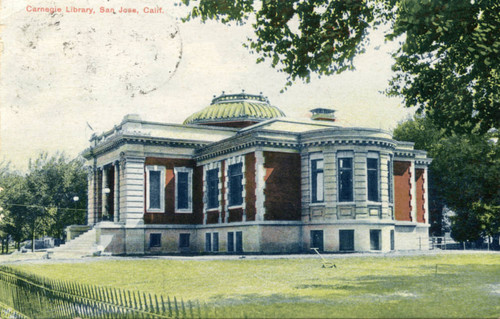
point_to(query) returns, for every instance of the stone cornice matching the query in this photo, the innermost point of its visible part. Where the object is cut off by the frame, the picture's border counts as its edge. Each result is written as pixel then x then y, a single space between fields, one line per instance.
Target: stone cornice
pixel 351 141
pixel 207 154
pixel 122 139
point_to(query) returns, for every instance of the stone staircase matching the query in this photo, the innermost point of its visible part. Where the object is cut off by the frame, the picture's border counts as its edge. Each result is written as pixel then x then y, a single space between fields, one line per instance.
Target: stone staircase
pixel 81 246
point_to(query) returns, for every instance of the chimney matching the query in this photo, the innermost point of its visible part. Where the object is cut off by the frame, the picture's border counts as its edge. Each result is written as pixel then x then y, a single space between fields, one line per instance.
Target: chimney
pixel 321 114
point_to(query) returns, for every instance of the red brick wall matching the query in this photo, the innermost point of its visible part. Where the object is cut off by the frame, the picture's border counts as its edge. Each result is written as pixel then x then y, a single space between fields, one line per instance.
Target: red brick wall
pixel 402 190
pixel 419 176
pixel 282 191
pixel 169 216
pixel 250 186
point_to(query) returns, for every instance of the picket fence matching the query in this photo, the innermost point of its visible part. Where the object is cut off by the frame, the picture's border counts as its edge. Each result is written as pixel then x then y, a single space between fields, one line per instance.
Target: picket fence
pixel 24 295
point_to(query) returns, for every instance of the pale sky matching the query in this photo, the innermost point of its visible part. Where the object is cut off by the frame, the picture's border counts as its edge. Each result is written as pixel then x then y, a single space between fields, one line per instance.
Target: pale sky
pixel 61 71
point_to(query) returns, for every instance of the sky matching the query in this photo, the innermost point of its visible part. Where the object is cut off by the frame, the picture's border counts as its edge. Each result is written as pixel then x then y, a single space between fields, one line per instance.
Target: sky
pixel 66 75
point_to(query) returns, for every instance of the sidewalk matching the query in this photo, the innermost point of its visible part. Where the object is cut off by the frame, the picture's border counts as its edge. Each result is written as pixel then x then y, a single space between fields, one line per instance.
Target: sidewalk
pixel 40 257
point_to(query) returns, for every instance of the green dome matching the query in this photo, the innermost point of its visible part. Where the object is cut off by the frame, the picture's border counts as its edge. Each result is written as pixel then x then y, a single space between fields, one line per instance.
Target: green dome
pixel 235 108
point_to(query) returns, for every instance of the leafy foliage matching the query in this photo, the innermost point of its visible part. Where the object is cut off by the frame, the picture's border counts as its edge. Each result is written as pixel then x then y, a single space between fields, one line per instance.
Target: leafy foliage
pixel 41 202
pixel 464 176
pixel 299 37
pixel 448 63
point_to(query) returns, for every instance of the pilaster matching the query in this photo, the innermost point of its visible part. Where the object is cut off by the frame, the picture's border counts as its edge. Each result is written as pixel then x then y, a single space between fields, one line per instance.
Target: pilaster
pixel 260 186
pixel 384 185
pixel 305 184
pixel 426 197
pixel 330 182
pixel 116 195
pixel 360 183
pixel 413 192
pixel 133 190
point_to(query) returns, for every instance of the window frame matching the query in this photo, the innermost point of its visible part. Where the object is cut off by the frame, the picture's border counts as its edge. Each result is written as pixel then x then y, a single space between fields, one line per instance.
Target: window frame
pixel 230 242
pixel 215 242
pixel 208 180
pixel 162 170
pixel 189 171
pixel 230 190
pixel 151 235
pixel 314 172
pixel 373 156
pixel 378 241
pixel 345 155
pixel 184 237
pixel 208 242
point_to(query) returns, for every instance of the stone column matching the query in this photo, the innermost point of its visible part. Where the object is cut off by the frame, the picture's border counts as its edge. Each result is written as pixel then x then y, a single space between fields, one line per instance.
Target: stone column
pixel 97 194
pixel 116 195
pixel 90 196
pixel 104 198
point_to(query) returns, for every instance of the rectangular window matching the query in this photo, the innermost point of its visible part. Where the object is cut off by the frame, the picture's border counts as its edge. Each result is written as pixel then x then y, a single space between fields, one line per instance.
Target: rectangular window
pixel 390 181
pixel 346 239
pixel 154 240
pixel 317 188
pixel 317 239
pixel 345 173
pixel 183 240
pixel 215 242
pixel 212 188
pixel 372 172
pixel 183 189
pixel 239 241
pixel 155 188
pixel 235 175
pixel 208 242
pixel 230 241
pixel 392 239
pixel 375 239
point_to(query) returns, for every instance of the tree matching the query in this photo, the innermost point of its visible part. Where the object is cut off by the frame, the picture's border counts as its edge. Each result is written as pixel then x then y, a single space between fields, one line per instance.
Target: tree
pixel 14 199
pixel 464 176
pixel 447 64
pixel 299 37
pixel 54 182
pixel 41 202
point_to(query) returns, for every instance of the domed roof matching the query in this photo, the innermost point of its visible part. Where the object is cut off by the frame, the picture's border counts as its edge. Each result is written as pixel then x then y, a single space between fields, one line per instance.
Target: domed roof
pixel 237 110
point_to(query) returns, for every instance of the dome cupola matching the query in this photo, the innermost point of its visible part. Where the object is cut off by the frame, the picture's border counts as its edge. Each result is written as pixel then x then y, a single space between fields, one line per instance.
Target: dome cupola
pixel 235 110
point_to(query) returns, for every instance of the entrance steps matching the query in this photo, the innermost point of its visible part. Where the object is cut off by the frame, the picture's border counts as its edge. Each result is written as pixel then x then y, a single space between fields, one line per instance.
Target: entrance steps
pixel 81 246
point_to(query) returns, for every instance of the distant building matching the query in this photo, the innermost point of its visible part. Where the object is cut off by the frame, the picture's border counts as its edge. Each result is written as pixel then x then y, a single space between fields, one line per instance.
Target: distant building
pixel 238 176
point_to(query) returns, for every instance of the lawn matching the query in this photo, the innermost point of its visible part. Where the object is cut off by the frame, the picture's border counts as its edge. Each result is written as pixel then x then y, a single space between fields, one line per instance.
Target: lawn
pixel 462 285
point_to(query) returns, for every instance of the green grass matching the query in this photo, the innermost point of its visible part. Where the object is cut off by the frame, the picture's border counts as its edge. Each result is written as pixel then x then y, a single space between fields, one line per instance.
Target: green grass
pixel 398 287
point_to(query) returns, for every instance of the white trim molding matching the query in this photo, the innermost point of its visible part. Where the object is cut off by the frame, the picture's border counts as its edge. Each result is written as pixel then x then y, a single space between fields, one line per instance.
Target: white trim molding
pixel 189 171
pixel 206 168
pixel 161 169
pixel 231 161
